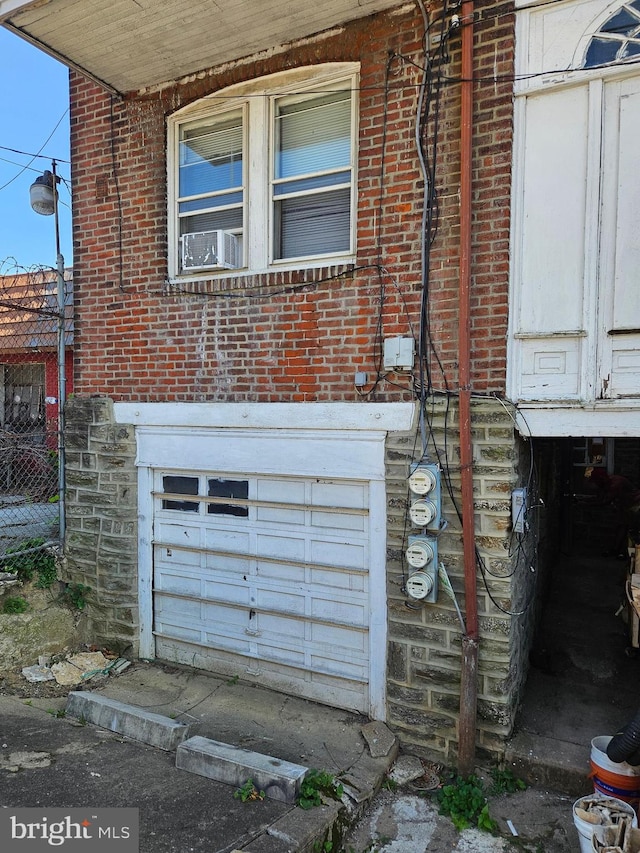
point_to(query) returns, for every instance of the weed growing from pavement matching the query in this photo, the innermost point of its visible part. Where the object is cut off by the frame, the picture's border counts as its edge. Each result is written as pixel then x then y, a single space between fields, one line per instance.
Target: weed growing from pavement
pixel 504 782
pixel 464 801
pixel 316 783
pixel 248 792
pixel 59 714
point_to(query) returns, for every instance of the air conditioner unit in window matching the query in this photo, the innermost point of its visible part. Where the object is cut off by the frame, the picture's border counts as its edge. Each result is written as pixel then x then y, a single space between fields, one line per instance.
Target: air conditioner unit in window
pixel 209 250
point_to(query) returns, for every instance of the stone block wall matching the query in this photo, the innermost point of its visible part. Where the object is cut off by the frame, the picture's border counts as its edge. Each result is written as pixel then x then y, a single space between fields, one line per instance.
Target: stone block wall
pixel 424 653
pixel 101 512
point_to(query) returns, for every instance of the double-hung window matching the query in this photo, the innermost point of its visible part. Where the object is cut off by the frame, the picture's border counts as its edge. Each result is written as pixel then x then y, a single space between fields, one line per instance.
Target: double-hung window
pixel 263 176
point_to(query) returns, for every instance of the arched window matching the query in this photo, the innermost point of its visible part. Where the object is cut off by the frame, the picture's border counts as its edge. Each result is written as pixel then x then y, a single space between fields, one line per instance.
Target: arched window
pixel 618 39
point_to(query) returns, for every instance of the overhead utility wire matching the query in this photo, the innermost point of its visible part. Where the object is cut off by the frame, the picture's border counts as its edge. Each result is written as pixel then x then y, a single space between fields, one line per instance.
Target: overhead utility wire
pixel 34 156
pixel 37 156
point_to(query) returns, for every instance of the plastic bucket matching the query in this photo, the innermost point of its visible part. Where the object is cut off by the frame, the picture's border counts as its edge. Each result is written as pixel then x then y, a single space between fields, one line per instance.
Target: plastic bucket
pixel 621 781
pixel 586 830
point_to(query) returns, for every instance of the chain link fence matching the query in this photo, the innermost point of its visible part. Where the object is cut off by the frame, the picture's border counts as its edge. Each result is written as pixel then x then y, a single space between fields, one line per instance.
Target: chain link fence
pixel 33 345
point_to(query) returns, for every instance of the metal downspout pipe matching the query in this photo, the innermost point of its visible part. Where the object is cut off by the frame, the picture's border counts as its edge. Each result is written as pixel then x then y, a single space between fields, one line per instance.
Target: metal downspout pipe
pixel 469 669
pixel 62 377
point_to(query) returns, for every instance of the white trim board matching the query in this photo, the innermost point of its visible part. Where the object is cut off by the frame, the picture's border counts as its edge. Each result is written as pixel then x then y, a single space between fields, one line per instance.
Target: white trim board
pixel 383 417
pixel 567 422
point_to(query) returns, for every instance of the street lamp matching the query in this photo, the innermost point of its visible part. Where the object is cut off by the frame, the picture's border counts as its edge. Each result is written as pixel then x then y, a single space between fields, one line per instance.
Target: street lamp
pixel 44 200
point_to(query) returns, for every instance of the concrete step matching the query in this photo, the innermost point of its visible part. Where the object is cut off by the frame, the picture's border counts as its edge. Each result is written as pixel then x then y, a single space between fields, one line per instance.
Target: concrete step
pixel 280 780
pixel 128 720
pixel 550 763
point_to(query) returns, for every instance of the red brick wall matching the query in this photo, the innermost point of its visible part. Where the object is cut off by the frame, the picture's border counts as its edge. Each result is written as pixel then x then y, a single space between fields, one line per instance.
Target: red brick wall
pixel 138 339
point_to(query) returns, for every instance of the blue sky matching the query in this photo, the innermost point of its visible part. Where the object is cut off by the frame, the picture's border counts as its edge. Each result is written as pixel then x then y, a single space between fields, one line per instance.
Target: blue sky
pixel 34 96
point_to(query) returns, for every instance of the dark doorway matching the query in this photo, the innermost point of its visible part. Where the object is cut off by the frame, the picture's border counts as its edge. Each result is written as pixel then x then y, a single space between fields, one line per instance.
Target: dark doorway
pixel 584 674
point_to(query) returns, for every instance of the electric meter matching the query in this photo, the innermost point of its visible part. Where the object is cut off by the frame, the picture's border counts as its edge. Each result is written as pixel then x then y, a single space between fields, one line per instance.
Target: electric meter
pixel 419 585
pixel 422 512
pixel 420 553
pixel 422 480
pixel 422 556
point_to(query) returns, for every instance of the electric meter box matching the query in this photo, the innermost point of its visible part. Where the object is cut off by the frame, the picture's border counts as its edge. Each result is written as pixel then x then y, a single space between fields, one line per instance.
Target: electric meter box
pixel 422 513
pixel 419 585
pixel 424 485
pixel 422 556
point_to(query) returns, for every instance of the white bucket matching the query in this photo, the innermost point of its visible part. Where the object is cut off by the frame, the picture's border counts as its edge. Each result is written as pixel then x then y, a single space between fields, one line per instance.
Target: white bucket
pixel 587 830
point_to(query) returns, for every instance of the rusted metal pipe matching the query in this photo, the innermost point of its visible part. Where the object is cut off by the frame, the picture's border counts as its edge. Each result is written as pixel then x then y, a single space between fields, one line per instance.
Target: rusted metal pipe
pixel 469 673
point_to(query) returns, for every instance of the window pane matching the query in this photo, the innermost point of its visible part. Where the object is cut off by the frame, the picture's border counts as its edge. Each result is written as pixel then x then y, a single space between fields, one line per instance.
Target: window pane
pixel 623 23
pixel 602 51
pixel 24 398
pixel 227 220
pixel 632 48
pixel 211 157
pixel 180 486
pixel 221 488
pixel 313 225
pixel 313 135
pixel 311 183
pixel 214 201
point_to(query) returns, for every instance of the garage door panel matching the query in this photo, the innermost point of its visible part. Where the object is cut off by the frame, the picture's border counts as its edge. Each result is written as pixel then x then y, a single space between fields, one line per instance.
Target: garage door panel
pixel 276 515
pixel 182 558
pixel 227 593
pixel 175 533
pixel 281 601
pixel 278 572
pixel 224 564
pixel 172 581
pixel 280 490
pixel 292 657
pixel 347 555
pixel 227 641
pixel 289 547
pixel 351 581
pixel 328 493
pixel 327 666
pixel 338 520
pixel 346 613
pixel 226 539
pixel 280 594
pixel 218 613
pixel 341 640
pixel 170 609
pixel 280 629
pixel 180 632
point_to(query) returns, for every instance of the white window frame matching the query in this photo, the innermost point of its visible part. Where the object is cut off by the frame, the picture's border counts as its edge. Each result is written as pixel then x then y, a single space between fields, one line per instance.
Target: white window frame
pixel 256 98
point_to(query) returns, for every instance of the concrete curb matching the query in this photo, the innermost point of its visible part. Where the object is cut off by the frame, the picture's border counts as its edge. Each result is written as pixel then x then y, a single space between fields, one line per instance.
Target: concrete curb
pixel 128 720
pixel 280 780
pixel 297 831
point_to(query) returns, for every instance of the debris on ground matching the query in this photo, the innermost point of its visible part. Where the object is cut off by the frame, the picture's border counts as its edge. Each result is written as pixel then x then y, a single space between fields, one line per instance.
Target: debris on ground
pixel 406 769
pixel 38 673
pixel 76 668
pixel 8 579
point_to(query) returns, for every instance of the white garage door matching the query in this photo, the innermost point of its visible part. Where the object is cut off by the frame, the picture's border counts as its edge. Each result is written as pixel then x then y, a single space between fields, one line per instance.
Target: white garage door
pixel 267 577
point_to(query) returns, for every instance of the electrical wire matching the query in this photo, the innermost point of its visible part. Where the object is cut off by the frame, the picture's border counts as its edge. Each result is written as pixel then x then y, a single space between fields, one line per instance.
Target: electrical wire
pixel 33 156
pixel 116 184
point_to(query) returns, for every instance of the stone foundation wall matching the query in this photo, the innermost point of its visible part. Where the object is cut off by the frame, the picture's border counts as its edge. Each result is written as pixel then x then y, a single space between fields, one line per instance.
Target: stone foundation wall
pixel 102 508
pixel 424 654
